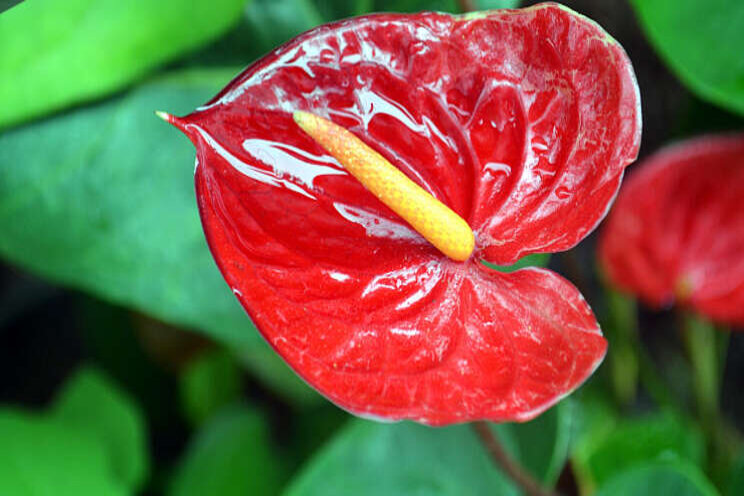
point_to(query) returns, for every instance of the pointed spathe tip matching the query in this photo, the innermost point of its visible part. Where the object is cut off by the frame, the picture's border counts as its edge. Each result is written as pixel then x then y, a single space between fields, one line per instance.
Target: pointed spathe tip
pixel 172 119
pixel 164 115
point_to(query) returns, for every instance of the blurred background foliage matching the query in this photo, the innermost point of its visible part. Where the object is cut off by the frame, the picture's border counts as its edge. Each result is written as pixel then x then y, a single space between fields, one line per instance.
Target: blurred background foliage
pixel 126 365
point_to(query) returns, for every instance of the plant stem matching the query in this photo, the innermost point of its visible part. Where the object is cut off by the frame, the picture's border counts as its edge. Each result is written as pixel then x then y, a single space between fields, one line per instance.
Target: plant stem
pixel 630 362
pixel 500 456
pixel 700 338
pixel 653 383
pixel 706 348
pixel 621 330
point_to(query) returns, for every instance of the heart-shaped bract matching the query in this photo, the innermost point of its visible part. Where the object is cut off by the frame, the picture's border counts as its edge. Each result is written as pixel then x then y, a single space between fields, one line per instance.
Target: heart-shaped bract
pixel 520 121
pixel 677 232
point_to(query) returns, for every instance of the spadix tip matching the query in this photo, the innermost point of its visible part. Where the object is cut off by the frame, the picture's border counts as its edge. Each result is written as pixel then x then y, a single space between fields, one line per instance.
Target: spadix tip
pixel 304 119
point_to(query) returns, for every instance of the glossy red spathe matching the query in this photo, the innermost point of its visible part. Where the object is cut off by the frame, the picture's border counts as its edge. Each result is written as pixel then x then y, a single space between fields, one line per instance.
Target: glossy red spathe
pixel 677 232
pixel 522 122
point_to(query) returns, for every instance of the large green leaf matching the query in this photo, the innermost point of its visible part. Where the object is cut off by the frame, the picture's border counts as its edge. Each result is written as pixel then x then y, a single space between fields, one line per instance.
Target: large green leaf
pixel 90 404
pixel 231 455
pixel 44 457
pixel 102 199
pixel 369 458
pixel 634 442
pixel 659 478
pixel 59 52
pixel 702 43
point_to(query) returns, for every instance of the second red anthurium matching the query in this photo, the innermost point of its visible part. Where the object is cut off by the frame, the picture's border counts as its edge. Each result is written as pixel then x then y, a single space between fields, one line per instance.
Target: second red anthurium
pixel 677 233
pixel 518 123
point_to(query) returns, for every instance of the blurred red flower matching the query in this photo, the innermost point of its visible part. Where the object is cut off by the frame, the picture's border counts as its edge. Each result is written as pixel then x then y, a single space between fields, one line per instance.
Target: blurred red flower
pixel 522 122
pixel 676 233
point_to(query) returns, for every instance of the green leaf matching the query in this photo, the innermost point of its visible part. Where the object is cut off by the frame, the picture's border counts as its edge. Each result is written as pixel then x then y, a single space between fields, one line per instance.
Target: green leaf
pixel 209 382
pixel 90 404
pixel 368 458
pixel 102 199
pixel 231 455
pixel 60 52
pixel 595 417
pixel 670 478
pixel 702 43
pixel 542 444
pixel 631 443
pixel 43 457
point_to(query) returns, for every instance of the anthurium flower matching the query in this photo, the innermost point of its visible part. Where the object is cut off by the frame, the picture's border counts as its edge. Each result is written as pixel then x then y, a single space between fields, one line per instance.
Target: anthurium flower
pixel 519 122
pixel 677 232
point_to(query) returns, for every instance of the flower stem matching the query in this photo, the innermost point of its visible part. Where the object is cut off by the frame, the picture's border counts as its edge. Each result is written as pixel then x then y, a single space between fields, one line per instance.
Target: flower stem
pixel 621 331
pixel 501 457
pixel 700 339
pixel 706 348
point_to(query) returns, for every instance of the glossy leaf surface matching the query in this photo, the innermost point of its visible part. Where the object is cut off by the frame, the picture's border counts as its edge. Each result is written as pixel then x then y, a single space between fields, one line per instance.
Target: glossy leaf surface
pixel 701 42
pixel 677 231
pixel 520 121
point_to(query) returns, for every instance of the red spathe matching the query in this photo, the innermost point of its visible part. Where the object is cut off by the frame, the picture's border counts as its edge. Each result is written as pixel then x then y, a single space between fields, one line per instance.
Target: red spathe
pixel 521 121
pixel 677 232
